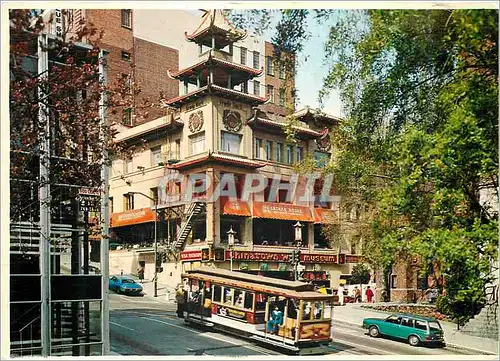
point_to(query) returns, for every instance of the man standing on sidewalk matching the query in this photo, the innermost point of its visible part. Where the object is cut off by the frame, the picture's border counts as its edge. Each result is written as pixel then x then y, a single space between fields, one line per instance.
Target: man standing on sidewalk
pixel 369 294
pixel 180 298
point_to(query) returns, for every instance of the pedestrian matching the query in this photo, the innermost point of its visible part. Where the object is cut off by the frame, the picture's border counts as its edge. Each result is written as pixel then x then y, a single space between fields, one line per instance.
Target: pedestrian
pixel 180 299
pixel 140 273
pixel 369 294
pixel 340 293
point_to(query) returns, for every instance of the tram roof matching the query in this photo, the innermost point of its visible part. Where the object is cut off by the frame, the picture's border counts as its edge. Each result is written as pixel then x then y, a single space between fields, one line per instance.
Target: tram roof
pixel 294 289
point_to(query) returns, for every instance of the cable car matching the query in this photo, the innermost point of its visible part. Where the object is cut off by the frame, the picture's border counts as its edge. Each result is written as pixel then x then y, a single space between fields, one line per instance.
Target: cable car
pixel 291 315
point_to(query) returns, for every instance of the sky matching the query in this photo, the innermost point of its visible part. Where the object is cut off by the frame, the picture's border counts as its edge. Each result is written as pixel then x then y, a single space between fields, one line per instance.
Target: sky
pixel 310 73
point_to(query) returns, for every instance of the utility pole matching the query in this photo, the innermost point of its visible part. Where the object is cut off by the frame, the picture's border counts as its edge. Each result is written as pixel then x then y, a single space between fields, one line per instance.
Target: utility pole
pixel 104 208
pixel 44 196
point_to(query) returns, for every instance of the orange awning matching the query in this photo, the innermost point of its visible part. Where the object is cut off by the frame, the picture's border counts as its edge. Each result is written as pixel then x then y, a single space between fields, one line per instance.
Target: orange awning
pixel 235 207
pixel 134 216
pixel 284 211
pixel 323 215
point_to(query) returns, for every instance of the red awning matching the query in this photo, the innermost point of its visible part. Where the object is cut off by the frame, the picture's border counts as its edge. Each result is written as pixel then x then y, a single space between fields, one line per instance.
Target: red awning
pixel 235 207
pixel 325 216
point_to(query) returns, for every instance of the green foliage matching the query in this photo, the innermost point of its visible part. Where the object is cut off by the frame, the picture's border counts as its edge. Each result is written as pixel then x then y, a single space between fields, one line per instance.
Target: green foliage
pixel 360 274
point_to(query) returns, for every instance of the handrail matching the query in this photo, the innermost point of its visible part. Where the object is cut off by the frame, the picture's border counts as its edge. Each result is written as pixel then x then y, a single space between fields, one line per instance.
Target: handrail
pixel 28 324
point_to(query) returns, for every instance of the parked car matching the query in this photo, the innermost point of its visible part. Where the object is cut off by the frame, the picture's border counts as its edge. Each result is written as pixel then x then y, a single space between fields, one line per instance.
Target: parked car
pixel 416 329
pixel 122 284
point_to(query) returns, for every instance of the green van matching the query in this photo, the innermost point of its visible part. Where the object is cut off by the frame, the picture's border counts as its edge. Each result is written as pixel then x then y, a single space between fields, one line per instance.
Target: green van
pixel 416 329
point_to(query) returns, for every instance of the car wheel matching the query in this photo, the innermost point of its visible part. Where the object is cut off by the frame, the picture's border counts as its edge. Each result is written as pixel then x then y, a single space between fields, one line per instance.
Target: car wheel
pixel 413 340
pixel 373 331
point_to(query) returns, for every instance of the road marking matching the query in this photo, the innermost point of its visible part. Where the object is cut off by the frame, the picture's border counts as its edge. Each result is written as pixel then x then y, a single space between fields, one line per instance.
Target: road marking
pixel 204 334
pixel 125 299
pixel 363 346
pixel 117 324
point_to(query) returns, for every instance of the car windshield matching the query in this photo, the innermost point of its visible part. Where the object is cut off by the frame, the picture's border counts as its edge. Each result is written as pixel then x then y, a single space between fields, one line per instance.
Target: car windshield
pixel 126 280
pixel 434 326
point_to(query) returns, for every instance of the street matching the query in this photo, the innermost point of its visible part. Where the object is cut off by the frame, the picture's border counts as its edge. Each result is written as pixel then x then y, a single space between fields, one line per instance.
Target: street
pixel 148 326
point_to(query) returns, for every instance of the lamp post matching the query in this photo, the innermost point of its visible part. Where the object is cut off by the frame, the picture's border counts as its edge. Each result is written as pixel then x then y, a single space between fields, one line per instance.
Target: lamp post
pixel 298 243
pixel 155 280
pixel 230 243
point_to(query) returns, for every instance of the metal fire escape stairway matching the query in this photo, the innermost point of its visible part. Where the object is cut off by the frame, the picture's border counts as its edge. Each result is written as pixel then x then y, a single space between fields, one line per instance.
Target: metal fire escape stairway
pixel 194 210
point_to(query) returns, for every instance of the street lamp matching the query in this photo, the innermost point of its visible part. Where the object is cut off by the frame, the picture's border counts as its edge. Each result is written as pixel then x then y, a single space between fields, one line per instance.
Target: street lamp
pixel 230 243
pixel 155 280
pixel 298 243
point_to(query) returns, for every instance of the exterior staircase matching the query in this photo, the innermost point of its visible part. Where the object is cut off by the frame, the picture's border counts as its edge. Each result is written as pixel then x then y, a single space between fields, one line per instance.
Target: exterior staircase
pixel 193 210
pixel 485 324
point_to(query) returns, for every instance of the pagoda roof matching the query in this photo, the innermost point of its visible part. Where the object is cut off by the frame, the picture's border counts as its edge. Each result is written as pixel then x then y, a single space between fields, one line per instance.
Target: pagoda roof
pixel 307 114
pixel 305 132
pixel 215 23
pixel 209 58
pixel 218 158
pixel 216 89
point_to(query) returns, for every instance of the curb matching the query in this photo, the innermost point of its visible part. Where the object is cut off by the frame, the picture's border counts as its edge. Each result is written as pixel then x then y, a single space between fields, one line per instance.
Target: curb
pixel 451 345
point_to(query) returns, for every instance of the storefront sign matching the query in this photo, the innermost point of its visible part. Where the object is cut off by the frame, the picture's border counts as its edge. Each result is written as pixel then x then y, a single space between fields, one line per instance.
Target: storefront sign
pixel 135 216
pixel 191 256
pixel 282 211
pixel 235 207
pixel 228 312
pixel 350 258
pixel 325 216
pixel 318 258
pixel 219 254
pixel 281 257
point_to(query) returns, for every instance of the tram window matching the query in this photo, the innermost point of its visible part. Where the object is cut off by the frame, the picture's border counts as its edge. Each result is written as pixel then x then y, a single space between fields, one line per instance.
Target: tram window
pixel 307 310
pixel 238 298
pixel 328 310
pixel 217 293
pixel 228 296
pixel 318 310
pixel 248 300
pixel 260 302
pixel 292 309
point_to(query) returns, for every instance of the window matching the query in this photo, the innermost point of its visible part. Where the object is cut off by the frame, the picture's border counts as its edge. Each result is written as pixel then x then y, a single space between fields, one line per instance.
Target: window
pixel 197 143
pixel 260 301
pixel 299 154
pixel 408 322
pixel 231 142
pixel 243 56
pixel 128 202
pixel 126 55
pixel 270 91
pixel 393 281
pixel 228 296
pixel 256 59
pixel 289 154
pixel 282 71
pixel 238 298
pixel 269 66
pixel 282 98
pixel 394 319
pixel 128 166
pixel 307 310
pixel 321 158
pixel 127 18
pixel 268 149
pixel 279 152
pixel 217 294
pixel 421 325
pixel 110 204
pixel 248 300
pixel 153 193
pixel 244 86
pixel 155 156
pixel 435 326
pixel 177 149
pixel 258 145
pixel 318 310
pixel 127 116
pixel 256 87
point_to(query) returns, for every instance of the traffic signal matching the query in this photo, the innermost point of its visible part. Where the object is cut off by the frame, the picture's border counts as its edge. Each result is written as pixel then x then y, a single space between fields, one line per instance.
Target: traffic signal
pixel 158 260
pixel 297 255
pixel 164 257
pixel 292 257
pixel 159 269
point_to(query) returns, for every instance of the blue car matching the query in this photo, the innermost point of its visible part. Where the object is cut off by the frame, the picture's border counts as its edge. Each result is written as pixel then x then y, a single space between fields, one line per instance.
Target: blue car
pixel 122 284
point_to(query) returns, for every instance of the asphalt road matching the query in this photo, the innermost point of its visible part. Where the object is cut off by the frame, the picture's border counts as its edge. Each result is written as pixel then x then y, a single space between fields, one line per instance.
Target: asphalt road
pixel 146 326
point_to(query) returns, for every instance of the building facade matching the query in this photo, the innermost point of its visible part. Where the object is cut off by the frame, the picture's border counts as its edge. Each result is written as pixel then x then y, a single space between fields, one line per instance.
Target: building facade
pixel 216 128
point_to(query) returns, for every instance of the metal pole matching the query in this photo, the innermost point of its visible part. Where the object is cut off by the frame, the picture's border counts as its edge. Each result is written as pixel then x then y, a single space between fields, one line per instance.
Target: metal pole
pixel 231 258
pixel 104 211
pixel 45 319
pixel 156 250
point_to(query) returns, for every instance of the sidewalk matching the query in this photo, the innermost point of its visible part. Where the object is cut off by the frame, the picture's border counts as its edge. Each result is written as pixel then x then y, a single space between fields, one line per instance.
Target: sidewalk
pixel 166 294
pixel 354 314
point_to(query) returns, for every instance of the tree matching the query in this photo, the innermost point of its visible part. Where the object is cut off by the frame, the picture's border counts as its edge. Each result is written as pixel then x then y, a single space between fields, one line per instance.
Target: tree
pixel 419 145
pixel 360 274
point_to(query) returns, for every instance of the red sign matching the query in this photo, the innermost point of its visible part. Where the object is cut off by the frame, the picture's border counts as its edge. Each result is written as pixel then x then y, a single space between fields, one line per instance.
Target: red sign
pixel 351 258
pixel 235 207
pixel 280 257
pixel 191 255
pixel 285 211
